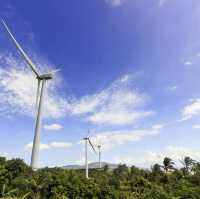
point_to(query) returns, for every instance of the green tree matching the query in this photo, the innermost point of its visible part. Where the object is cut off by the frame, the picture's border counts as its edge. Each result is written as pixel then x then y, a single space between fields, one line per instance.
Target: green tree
pixel 168 164
pixel 187 163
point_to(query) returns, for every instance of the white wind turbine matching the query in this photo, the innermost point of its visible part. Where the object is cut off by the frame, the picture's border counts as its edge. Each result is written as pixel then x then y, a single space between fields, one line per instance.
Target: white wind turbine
pixel 41 79
pixel 99 146
pixel 87 140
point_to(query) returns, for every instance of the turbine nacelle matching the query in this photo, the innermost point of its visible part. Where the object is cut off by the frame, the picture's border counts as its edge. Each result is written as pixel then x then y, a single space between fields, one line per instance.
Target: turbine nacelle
pixel 92 146
pixel 46 76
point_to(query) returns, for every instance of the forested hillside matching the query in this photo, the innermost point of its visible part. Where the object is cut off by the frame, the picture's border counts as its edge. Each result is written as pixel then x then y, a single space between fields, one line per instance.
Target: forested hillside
pixel 165 181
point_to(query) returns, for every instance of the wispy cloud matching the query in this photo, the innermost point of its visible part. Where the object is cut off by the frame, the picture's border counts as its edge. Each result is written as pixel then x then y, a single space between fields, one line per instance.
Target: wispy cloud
pixel 117 117
pixel 7 11
pixel 29 146
pixel 52 127
pixel 112 139
pixel 4 154
pixel 188 63
pixel 60 144
pixel 51 145
pixel 172 88
pixel 119 104
pixel 158 126
pixel 196 126
pixel 18 90
pixel 161 3
pixel 190 110
pixel 114 3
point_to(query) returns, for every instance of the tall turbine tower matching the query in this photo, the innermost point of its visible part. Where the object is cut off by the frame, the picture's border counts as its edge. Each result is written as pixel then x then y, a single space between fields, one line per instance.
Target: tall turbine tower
pixel 41 79
pixel 87 140
pixel 99 151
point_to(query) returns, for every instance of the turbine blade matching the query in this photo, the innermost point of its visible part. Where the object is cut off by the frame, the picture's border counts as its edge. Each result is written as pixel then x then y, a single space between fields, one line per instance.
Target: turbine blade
pixel 22 52
pixel 88 133
pixel 92 145
pixel 52 72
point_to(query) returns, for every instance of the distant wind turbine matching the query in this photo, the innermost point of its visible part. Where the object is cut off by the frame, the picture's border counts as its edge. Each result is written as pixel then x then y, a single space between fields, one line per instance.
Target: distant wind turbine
pixel 87 140
pixel 41 79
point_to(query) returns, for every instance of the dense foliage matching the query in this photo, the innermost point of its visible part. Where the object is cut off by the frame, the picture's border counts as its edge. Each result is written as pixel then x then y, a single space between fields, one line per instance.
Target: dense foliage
pixel 17 180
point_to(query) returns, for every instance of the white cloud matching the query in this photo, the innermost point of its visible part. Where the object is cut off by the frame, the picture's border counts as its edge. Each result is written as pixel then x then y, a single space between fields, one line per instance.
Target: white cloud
pixel 88 104
pixel 119 104
pixel 111 139
pixel 117 118
pixel 176 153
pixel 115 3
pixel 18 90
pixel 158 126
pixel 42 146
pixel 125 78
pixel 60 145
pixel 193 109
pixel 187 63
pixel 196 126
pixel 172 88
pixel 52 127
pixel 51 145
pixel 4 154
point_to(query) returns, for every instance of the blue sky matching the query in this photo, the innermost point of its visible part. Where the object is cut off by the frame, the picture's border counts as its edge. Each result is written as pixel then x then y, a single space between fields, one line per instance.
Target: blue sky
pixel 129 72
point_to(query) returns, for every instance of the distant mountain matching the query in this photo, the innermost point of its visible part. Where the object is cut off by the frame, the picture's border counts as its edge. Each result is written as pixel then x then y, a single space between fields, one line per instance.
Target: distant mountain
pixel 74 166
pixel 93 165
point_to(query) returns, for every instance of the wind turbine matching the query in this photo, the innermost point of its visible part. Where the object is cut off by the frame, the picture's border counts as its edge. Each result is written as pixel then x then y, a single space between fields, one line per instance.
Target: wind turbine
pixel 87 140
pixel 41 82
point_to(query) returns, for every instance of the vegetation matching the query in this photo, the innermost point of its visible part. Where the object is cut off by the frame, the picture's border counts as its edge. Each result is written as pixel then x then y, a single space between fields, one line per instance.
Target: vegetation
pixel 17 180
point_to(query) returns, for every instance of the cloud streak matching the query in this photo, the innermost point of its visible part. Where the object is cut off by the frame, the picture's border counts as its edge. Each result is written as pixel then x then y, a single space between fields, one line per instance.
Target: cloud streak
pixel 18 91
pixel 52 127
pixel 187 63
pixel 161 3
pixel 52 145
pixel 112 139
pixel 114 3
pixel 119 104
pixel 172 88
pixel 196 126
pixel 191 110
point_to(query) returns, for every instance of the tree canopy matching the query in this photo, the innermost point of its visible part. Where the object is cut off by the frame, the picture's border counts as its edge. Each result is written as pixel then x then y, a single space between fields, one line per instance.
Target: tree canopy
pixel 17 180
